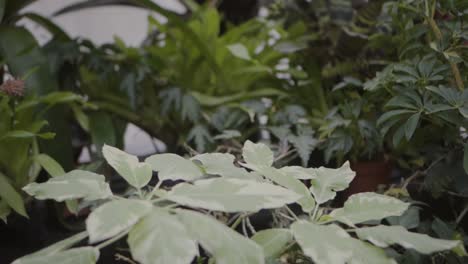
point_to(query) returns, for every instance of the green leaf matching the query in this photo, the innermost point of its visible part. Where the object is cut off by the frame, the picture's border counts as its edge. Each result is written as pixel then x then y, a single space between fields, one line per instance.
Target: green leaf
pixel 61 97
pixel 273 241
pixel 231 195
pixel 327 182
pixel 330 244
pixel 18 134
pixel 201 136
pixel 465 158
pixel 392 114
pixel 226 245
pixel 11 196
pixel 138 174
pixel 4 211
pixel 385 236
pixel 160 238
pixel 307 202
pixel 173 167
pixel 115 217
pixel 2 9
pixel 411 125
pixel 213 101
pixel 239 51
pixel 299 172
pixel 59 246
pixel 72 185
pixel 82 255
pixel 222 164
pixel 368 206
pixel 50 165
pixel 102 129
pixel 257 155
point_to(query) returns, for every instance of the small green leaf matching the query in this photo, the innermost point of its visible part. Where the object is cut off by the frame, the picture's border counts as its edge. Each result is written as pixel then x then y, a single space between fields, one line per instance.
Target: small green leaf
pixel 239 51
pixel 138 174
pixel 173 167
pixel 160 238
pixel 50 165
pixel 82 255
pixel 385 236
pixel 257 154
pixel 411 125
pixel 115 217
pixel 11 196
pixel 273 241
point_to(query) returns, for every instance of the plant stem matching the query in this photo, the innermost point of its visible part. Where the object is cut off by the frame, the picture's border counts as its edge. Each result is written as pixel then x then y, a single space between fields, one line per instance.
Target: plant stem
pixel 156 187
pixel 291 212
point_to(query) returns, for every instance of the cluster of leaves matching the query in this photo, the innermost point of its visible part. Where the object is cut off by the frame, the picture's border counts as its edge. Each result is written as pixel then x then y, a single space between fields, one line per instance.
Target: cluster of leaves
pixel 165 226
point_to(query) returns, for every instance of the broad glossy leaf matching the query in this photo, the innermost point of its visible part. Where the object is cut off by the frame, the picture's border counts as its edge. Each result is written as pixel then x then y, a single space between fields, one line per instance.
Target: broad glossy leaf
pixel 368 206
pixel 257 154
pixel 72 185
pixel 160 238
pixel 273 241
pixel 239 50
pixel 327 182
pixel 138 174
pixel 221 164
pixel 231 195
pixel 50 165
pixel 115 217
pixel 330 244
pixel 173 167
pixel 385 236
pixel 11 196
pixel 306 201
pixel 226 245
pixel 83 255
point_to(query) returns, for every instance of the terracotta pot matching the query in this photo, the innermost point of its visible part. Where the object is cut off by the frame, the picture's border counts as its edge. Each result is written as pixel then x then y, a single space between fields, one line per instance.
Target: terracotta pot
pixel 369 175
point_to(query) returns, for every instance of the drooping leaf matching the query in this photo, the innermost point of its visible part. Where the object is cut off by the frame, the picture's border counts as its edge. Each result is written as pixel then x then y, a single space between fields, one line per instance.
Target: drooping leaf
pixel 221 164
pixel 223 243
pixel 160 238
pixel 82 255
pixel 231 195
pixel 50 165
pixel 11 196
pixel 273 241
pixel 384 236
pixel 257 155
pixel 330 244
pixel 173 167
pixel 239 51
pixel 72 185
pixel 115 217
pixel 138 174
pixel 368 206
pixel 326 182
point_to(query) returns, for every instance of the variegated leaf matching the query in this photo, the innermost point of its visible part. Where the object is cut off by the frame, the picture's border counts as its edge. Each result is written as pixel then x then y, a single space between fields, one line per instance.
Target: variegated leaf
pixel 173 167
pixel 115 217
pixel 273 241
pixel 231 195
pixel 222 164
pixel 384 236
pixel 83 255
pixel 72 185
pixel 326 182
pixel 226 245
pixel 299 172
pixel 257 154
pixel 368 206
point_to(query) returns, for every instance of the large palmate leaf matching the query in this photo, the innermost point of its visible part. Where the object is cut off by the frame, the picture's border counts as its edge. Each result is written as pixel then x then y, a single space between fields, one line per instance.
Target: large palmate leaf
pixel 257 155
pixel 221 164
pixel 231 195
pixel 385 236
pixel 223 243
pixel 330 244
pixel 115 217
pixel 160 238
pixel 11 196
pixel 273 241
pixel 138 174
pixel 174 167
pixel 367 206
pixel 326 182
pixel 83 255
pixel 72 185
pixel 306 201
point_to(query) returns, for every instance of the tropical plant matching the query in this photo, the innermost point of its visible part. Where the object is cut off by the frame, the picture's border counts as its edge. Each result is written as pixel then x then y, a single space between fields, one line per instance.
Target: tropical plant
pixel 164 225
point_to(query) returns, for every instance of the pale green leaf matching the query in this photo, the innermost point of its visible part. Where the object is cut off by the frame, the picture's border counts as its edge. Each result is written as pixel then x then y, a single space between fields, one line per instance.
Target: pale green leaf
pixel 50 165
pixel 327 182
pixel 72 185
pixel 160 238
pixel 385 236
pixel 239 51
pixel 138 174
pixel 11 196
pixel 231 195
pixel 83 255
pixel 222 164
pixel 173 167
pixel 299 172
pixel 115 217
pixel 273 241
pixel 368 206
pixel 257 154
pixel 224 244
pixel 59 246
pixel 330 244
